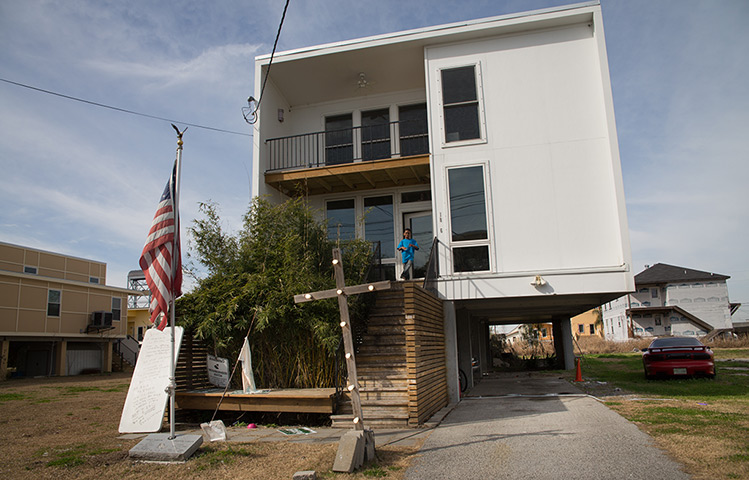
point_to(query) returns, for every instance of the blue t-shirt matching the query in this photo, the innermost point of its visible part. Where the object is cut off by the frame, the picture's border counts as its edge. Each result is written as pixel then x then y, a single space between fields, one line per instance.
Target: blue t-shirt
pixel 408 244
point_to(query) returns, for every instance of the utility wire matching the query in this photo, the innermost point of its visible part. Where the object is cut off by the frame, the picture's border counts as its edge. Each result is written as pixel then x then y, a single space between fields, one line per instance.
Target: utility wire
pixel 273 52
pixel 123 110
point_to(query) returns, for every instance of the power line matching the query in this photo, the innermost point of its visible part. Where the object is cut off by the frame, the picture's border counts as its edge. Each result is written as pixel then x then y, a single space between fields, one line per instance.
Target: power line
pixel 123 110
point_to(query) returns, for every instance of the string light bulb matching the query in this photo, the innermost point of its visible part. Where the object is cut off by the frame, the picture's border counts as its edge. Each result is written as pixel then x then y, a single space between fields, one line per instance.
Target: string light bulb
pixel 308 296
pixel 371 288
pixel 339 291
pixel 343 324
pixel 351 388
pixel 348 355
pixel 335 261
pixel 356 419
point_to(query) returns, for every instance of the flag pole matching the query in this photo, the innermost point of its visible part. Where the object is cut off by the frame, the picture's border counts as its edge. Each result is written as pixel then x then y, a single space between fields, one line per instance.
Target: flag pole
pixel 175 252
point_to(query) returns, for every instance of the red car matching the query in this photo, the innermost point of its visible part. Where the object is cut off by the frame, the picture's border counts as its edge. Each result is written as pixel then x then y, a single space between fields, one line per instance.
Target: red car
pixel 678 357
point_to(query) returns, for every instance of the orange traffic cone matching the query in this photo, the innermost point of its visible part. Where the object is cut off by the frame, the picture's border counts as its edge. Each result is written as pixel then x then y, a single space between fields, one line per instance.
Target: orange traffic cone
pixel 579 374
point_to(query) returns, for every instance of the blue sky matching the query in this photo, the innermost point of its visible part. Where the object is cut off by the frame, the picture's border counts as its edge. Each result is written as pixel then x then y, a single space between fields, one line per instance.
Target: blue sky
pixel 85 181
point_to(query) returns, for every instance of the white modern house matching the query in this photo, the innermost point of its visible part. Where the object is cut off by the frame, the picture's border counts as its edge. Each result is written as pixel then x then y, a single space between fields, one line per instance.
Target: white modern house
pixel 670 300
pixel 493 139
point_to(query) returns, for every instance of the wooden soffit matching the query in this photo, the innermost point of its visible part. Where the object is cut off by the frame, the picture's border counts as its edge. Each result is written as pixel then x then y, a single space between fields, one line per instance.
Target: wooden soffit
pixel 350 177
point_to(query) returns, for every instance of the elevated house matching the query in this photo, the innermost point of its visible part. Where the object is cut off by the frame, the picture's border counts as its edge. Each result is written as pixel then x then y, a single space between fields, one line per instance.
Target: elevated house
pixel 494 140
pixel 57 315
pixel 670 300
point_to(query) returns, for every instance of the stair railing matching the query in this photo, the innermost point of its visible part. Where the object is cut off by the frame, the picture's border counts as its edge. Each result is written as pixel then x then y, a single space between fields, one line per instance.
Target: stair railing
pixel 432 268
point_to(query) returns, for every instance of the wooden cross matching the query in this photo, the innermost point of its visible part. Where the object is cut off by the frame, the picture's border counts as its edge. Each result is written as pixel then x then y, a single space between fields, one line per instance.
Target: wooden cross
pixel 342 292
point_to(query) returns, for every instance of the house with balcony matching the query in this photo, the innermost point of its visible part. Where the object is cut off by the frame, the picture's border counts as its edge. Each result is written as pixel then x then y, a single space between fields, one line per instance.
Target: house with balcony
pixel 57 315
pixel 671 301
pixel 494 140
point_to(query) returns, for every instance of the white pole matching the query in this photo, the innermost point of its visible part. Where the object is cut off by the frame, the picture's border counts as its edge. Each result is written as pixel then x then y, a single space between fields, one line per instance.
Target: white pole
pixel 175 247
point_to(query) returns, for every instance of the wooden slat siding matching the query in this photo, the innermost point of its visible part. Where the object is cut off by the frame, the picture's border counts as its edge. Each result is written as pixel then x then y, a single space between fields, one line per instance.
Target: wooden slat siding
pixel 192 369
pixel 425 354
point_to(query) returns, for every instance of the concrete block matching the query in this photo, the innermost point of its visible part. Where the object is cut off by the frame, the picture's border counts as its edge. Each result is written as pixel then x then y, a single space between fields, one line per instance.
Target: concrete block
pixel 157 447
pixel 305 475
pixel 350 454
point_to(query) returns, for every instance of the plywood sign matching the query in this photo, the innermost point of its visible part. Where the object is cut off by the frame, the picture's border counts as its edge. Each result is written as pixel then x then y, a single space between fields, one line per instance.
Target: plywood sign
pixel 147 396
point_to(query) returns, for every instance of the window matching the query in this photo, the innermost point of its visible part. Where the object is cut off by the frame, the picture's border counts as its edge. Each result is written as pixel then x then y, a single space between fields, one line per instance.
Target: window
pixel 116 308
pixel 414 136
pixel 543 333
pixel 658 320
pixel 378 224
pixel 31 270
pixel 468 218
pixel 420 196
pixel 592 329
pixel 654 292
pixel 339 142
pixel 467 204
pixel 341 220
pixel 53 303
pixel 581 328
pixel 460 104
pixel 375 134
pixel 93 280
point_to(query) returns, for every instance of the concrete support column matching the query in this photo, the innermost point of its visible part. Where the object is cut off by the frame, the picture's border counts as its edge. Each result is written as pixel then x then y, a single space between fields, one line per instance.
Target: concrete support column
pixel 106 358
pixel 564 346
pixel 463 324
pixel 4 352
pixel 451 352
pixel 61 358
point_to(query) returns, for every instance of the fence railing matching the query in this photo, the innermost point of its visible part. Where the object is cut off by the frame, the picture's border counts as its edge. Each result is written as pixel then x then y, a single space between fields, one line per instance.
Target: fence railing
pixel 337 147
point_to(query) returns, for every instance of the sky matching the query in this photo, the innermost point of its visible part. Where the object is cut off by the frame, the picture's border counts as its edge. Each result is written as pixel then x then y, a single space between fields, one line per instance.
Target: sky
pixel 84 180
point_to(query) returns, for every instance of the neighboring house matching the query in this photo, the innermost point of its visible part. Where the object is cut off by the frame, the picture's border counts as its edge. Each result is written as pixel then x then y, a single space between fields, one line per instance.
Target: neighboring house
pixel 57 315
pixel 493 140
pixel 588 324
pixel 670 300
pixel 542 330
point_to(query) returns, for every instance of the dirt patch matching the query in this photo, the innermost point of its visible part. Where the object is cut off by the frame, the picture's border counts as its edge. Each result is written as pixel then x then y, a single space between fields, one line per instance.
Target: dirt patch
pixel 67 427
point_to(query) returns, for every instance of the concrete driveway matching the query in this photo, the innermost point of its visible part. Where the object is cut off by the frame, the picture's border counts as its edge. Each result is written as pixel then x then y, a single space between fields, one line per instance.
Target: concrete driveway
pixel 525 426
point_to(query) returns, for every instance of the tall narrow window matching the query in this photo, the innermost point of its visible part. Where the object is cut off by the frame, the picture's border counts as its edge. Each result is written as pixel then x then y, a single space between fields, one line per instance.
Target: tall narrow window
pixel 53 303
pixel 341 220
pixel 414 138
pixel 339 143
pixel 375 134
pixel 468 222
pixel 460 104
pixel 378 224
pixel 116 308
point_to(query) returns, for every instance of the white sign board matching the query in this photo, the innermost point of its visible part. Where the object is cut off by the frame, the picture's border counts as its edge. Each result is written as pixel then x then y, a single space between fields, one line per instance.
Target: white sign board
pixel 218 371
pixel 146 400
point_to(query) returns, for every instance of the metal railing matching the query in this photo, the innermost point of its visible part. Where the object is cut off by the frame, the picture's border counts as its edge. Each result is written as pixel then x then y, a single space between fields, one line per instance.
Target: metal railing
pixel 348 145
pixel 432 268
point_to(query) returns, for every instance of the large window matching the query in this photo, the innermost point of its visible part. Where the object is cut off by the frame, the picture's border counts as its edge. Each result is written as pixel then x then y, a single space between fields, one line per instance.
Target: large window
pixel 375 134
pixel 414 136
pixel 378 224
pixel 53 303
pixel 468 222
pixel 460 104
pixel 339 142
pixel 341 217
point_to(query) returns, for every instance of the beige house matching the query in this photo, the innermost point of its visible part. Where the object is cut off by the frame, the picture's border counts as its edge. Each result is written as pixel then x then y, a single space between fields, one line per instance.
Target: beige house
pixel 588 324
pixel 57 315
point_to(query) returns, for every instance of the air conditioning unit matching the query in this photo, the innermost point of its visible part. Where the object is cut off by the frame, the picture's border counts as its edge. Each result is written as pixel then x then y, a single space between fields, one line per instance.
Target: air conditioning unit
pixel 101 319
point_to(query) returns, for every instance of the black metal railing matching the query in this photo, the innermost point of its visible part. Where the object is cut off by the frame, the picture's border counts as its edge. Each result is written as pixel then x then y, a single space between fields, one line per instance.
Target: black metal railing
pixel 432 268
pixel 336 147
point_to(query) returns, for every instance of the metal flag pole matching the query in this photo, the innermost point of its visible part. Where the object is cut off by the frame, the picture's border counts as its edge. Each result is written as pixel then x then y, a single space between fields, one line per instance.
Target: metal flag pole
pixel 175 253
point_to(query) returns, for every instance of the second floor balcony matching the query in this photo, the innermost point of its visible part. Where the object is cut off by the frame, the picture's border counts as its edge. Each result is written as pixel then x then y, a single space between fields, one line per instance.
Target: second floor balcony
pixel 365 157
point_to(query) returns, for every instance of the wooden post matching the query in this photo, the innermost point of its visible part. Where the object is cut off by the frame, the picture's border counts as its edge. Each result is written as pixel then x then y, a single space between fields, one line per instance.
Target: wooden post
pixel 342 292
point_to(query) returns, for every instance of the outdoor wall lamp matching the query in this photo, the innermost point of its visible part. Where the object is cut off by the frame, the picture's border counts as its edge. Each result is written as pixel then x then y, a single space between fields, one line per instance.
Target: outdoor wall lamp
pixel 538 281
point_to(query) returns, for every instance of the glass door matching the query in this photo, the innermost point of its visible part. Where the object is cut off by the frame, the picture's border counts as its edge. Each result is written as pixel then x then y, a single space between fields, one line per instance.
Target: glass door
pixel 420 224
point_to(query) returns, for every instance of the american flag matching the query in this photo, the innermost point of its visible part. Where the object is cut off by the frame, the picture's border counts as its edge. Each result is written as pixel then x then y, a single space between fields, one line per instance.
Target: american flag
pixel 156 259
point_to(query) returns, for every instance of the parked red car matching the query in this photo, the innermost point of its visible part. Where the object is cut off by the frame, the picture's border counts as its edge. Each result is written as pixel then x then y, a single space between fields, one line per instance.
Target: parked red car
pixel 678 357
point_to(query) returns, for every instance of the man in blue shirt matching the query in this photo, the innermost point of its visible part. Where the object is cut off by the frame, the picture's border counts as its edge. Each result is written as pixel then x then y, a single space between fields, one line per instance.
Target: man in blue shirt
pixel 407 247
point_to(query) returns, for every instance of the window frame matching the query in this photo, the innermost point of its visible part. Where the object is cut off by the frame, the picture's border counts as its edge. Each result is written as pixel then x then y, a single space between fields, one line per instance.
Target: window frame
pixel 486 242
pixel 50 303
pixel 118 315
pixel 479 84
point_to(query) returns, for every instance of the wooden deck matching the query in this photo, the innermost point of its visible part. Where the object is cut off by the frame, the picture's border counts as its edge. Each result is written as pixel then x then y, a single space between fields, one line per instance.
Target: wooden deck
pixel 299 400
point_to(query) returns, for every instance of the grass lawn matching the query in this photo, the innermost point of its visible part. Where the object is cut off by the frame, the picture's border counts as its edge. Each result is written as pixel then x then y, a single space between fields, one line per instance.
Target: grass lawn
pixel 703 423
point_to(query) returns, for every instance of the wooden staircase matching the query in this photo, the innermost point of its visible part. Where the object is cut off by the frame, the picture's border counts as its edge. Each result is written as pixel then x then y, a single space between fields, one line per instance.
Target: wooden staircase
pixel 381 366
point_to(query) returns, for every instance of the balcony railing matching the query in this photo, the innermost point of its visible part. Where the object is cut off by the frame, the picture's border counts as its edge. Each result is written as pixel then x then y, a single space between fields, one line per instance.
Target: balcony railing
pixel 337 147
